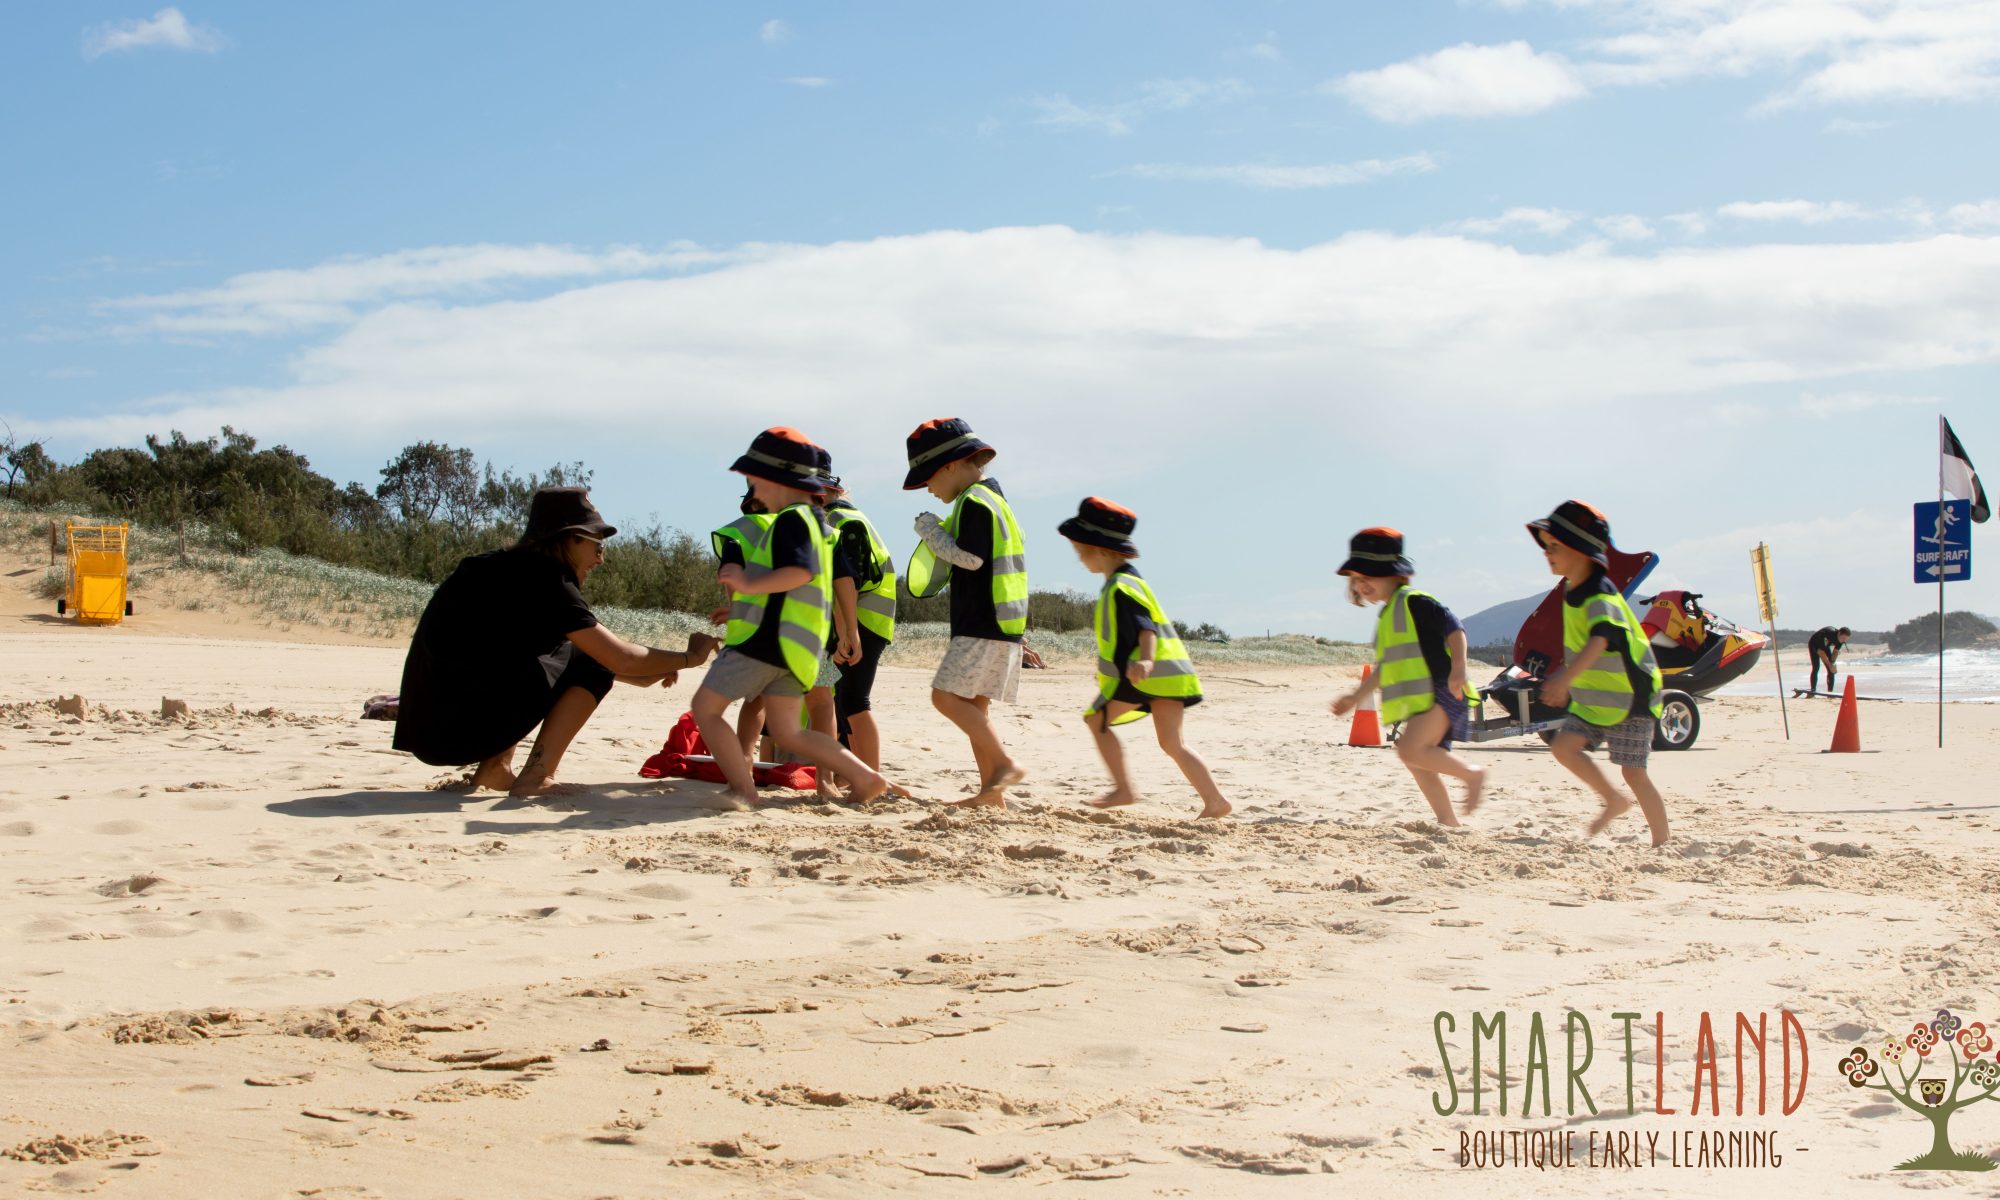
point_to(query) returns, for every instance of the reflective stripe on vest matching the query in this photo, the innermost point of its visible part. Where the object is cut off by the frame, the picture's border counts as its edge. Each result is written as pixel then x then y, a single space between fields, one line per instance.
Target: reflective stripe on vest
pixel 805 617
pixel 929 575
pixel 1403 674
pixel 875 607
pixel 1603 695
pixel 1172 676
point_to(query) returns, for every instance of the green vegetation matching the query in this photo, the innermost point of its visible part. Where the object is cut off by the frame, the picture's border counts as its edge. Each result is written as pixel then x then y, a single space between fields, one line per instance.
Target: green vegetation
pixel 1919 635
pixel 278 535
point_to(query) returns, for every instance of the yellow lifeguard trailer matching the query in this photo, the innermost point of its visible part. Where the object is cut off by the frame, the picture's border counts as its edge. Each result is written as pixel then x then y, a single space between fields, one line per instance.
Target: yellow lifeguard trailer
pixel 97 575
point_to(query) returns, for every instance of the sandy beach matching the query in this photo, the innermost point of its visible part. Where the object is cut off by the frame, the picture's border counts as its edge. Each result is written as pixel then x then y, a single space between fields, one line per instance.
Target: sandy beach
pixel 252 953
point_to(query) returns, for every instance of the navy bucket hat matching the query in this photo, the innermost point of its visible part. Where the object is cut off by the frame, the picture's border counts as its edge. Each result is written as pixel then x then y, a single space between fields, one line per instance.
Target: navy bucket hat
pixel 1102 524
pixel 1377 552
pixel 1578 526
pixel 935 445
pixel 783 455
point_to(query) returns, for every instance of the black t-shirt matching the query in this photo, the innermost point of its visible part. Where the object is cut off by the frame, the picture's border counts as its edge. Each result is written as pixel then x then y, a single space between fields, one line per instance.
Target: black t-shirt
pixel 1599 584
pixel 1434 623
pixel 493 639
pixel 972 611
pixel 1826 641
pixel 793 536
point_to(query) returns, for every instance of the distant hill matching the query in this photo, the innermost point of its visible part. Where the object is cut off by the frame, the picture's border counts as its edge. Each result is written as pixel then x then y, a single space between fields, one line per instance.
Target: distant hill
pixel 1496 626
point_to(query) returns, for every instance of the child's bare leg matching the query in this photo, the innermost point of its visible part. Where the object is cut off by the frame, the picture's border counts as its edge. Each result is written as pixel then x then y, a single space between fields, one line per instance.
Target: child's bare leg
pixel 1569 751
pixel 708 708
pixel 865 739
pixel 1650 802
pixel 495 773
pixel 1167 721
pixel 1113 754
pixel 559 729
pixel 821 749
pixel 820 715
pixel 1421 749
pixel 1418 743
pixel 749 726
pixel 997 772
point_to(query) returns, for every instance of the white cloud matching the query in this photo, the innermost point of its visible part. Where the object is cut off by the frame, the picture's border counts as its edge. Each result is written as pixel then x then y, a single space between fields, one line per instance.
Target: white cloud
pixel 1804 212
pixel 1983 215
pixel 1546 221
pixel 1691 224
pixel 1155 96
pixel 1848 127
pixel 1508 80
pixel 1816 51
pixel 773 31
pixel 1041 323
pixel 1625 227
pixel 809 81
pixel 167 29
pixel 1272 176
pixel 1839 404
pixel 337 292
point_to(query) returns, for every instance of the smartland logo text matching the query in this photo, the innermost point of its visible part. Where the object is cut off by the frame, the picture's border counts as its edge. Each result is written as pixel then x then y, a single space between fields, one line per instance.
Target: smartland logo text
pixel 1755 1062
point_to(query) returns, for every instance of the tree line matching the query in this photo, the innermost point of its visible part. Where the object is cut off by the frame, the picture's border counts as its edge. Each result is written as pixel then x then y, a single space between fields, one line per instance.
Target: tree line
pixel 434 505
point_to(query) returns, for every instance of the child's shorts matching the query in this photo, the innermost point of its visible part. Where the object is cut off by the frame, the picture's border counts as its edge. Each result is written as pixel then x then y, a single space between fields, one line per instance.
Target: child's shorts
pixel 1631 739
pixel 975 667
pixel 735 675
pixel 828 673
pixel 1457 715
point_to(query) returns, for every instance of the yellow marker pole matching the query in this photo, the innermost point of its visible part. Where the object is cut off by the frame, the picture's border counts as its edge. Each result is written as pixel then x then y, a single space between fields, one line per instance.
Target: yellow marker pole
pixel 1767 611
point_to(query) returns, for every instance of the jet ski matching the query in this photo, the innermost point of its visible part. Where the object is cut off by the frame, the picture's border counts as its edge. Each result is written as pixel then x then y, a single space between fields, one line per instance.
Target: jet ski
pixel 1697 650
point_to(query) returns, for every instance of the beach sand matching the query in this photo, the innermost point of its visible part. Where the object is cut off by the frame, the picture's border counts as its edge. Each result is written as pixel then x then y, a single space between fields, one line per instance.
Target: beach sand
pixel 251 953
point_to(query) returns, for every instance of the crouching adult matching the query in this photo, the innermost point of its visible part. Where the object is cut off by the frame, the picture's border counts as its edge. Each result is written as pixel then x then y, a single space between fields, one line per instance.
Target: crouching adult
pixel 508 643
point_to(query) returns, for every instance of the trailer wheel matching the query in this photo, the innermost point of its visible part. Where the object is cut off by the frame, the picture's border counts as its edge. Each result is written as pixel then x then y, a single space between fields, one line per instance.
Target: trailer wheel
pixel 62 606
pixel 128 608
pixel 1679 723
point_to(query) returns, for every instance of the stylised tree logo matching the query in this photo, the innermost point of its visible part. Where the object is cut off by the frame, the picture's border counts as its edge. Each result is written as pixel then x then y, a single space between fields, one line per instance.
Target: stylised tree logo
pixel 1960 1046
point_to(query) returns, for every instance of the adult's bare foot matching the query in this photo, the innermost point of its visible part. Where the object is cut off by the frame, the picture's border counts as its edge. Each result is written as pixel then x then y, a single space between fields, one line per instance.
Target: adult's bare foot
pixel 1221 808
pixel 1475 790
pixel 491 776
pixel 1119 798
pixel 546 785
pixel 1610 813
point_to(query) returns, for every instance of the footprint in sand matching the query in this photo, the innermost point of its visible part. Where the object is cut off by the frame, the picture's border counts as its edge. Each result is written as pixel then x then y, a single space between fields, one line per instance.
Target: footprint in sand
pixel 122 828
pixel 18 829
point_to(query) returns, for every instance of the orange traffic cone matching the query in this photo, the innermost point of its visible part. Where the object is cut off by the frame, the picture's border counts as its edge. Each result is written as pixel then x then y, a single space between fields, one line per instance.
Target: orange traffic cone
pixel 1367 727
pixel 1847 726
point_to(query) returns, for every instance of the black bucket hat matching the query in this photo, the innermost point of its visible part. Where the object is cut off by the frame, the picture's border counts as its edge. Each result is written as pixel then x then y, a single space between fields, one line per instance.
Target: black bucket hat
pixel 557 510
pixel 1103 524
pixel 823 463
pixel 1377 552
pixel 935 445
pixel 783 455
pixel 1578 526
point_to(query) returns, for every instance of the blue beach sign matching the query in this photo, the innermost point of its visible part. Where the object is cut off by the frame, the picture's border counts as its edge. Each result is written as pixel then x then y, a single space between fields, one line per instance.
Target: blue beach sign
pixel 1943 541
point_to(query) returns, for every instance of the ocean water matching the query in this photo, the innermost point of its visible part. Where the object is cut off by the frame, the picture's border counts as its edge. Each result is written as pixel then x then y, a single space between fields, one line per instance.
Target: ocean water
pixel 1970 676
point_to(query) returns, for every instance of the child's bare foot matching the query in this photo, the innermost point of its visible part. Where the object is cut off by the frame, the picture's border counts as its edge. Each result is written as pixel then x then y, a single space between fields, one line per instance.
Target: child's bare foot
pixel 545 785
pixel 727 801
pixel 1475 790
pixel 1219 808
pixel 1119 798
pixel 989 798
pixel 871 787
pixel 1611 810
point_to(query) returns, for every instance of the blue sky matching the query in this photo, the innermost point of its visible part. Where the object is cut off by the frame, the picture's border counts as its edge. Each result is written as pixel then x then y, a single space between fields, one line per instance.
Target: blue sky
pixel 1267 273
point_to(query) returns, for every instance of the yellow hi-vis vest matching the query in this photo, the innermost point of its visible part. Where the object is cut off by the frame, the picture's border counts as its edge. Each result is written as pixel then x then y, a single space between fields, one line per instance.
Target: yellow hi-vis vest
pixel 1603 695
pixel 744 531
pixel 928 576
pixel 805 617
pixel 1402 674
pixel 1173 676
pixel 875 606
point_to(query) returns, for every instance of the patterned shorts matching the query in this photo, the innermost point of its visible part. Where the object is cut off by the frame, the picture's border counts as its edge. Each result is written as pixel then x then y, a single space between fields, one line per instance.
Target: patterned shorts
pixel 1631 739
pixel 974 667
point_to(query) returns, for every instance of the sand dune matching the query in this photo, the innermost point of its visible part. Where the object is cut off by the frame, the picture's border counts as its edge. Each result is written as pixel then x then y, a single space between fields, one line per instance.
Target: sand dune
pixel 251 952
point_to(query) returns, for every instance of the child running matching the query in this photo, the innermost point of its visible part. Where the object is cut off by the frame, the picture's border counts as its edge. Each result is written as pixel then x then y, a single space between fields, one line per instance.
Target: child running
pixel 1419 669
pixel 1609 681
pixel 977 550
pixel 731 544
pixel 782 617
pixel 875 617
pixel 1142 667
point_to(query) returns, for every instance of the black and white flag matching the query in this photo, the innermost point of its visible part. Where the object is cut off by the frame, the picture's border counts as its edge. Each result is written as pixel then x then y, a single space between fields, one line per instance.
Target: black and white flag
pixel 1955 469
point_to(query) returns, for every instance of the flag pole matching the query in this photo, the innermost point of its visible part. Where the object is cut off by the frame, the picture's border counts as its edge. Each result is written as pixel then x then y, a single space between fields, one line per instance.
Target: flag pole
pixel 1940 571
